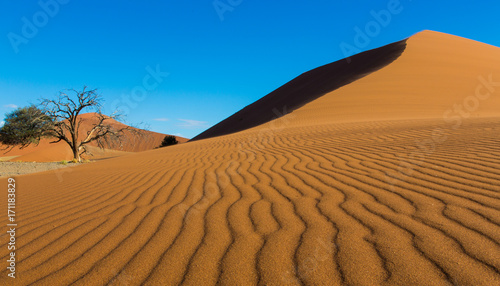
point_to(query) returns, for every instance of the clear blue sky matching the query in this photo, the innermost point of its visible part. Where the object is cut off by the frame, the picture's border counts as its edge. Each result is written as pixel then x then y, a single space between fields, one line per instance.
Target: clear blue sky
pixel 218 58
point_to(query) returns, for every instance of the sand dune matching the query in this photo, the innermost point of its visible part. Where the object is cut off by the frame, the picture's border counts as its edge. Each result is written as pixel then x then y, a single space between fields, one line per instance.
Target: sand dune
pixel 390 194
pixel 51 152
pixel 436 72
pixel 306 88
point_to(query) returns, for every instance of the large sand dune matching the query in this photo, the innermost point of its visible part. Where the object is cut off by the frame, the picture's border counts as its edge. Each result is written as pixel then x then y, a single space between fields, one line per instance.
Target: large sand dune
pixel 366 185
pixel 306 88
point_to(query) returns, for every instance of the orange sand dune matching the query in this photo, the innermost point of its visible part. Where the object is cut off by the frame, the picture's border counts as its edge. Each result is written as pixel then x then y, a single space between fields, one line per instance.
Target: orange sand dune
pixel 47 152
pixel 305 88
pixel 388 194
pixel 438 76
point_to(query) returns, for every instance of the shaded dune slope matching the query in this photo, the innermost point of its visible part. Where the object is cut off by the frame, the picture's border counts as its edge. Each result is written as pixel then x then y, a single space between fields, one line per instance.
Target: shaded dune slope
pixel 309 201
pixel 306 88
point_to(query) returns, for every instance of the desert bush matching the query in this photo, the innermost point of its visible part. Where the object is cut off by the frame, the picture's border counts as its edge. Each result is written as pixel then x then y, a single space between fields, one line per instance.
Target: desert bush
pixel 168 141
pixel 25 126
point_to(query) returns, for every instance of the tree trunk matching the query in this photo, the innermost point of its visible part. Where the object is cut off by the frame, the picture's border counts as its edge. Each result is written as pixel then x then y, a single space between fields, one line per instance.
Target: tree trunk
pixel 76 154
pixel 74 146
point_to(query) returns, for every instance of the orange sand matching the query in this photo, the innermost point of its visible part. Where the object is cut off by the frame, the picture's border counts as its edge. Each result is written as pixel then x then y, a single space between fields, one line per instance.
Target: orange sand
pixel 366 185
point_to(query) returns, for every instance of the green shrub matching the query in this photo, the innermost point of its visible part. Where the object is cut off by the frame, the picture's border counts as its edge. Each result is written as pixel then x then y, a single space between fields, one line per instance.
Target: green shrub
pixel 168 141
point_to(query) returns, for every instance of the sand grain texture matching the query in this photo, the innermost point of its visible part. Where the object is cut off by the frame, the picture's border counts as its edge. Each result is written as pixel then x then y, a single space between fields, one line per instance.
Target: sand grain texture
pixel 334 193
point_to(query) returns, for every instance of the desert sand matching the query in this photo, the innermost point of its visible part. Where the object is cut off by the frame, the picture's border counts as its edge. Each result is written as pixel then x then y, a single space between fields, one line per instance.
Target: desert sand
pixel 10 169
pixel 368 184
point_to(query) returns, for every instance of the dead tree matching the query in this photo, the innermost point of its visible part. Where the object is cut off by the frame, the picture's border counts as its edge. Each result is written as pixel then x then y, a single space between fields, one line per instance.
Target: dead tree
pixel 65 113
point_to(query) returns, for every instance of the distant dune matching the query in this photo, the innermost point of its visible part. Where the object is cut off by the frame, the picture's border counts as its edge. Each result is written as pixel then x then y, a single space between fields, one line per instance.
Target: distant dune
pixel 376 182
pixel 49 152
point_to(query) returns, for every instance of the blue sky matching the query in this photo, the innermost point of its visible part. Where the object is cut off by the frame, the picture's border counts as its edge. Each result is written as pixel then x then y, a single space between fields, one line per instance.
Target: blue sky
pixel 183 66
